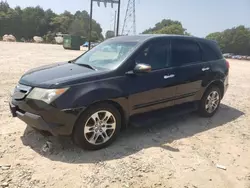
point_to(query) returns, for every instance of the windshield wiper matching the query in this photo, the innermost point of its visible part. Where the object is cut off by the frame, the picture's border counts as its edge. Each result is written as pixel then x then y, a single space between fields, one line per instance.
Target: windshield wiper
pixel 86 65
pixel 71 61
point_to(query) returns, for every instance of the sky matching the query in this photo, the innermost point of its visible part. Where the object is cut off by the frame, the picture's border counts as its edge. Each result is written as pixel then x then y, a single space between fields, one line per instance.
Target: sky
pixel 199 17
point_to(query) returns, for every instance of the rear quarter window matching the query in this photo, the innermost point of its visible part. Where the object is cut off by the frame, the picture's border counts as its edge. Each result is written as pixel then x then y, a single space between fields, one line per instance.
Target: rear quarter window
pixel 210 51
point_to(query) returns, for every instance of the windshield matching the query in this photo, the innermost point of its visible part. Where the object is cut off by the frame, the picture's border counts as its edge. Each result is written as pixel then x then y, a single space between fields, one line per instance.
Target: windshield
pixel 108 55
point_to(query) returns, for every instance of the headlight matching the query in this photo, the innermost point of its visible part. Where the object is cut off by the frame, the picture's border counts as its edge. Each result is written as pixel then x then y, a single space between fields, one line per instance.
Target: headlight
pixel 46 95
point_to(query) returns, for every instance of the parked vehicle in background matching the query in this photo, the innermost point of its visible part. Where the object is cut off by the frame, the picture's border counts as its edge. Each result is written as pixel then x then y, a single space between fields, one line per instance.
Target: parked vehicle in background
pixel 244 57
pixel 228 55
pixel 93 44
pixel 86 44
pixel 248 58
pixel 92 97
pixel 239 57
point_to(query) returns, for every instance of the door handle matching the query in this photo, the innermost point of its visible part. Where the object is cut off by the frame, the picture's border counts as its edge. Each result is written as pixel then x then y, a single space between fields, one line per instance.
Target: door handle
pixel 205 69
pixel 169 76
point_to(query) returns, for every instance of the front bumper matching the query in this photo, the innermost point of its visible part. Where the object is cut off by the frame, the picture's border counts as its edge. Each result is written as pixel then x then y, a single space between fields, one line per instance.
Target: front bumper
pixel 34 120
pixel 45 117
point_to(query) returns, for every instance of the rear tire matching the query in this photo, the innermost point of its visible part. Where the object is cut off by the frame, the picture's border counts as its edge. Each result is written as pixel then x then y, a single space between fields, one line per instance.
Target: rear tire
pixel 97 127
pixel 210 102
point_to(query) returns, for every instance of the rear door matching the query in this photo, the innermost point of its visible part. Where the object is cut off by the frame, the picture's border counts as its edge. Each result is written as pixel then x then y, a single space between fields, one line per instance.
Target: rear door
pixel 211 53
pixel 191 70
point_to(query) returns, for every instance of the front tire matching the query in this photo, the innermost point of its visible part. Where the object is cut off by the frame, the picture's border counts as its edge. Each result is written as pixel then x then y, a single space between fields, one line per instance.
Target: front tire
pixel 97 127
pixel 210 102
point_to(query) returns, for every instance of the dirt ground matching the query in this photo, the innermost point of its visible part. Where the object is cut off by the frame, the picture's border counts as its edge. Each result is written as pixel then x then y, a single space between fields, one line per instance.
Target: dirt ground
pixel 182 152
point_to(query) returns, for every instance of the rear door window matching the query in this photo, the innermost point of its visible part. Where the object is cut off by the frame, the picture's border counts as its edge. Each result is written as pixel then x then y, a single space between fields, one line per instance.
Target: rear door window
pixel 184 52
pixel 210 52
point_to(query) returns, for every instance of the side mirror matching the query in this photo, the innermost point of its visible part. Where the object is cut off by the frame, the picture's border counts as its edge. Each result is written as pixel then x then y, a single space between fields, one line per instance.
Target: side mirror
pixel 142 68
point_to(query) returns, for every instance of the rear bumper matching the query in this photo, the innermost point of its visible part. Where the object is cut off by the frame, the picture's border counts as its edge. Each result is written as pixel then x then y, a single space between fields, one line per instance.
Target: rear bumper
pixel 45 117
pixel 226 85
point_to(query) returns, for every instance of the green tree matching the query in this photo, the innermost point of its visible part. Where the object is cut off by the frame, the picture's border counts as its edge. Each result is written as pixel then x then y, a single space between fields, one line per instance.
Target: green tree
pixel 80 26
pixel 94 36
pixel 4 6
pixel 235 40
pixel 217 36
pixel 172 29
pixel 109 34
pixel 49 15
pixel 34 22
pixel 62 22
pixel 167 26
pixel 31 21
pixel 77 28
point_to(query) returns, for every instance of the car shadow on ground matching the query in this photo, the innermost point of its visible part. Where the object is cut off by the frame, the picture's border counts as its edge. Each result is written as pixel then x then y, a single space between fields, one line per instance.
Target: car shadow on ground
pixel 133 139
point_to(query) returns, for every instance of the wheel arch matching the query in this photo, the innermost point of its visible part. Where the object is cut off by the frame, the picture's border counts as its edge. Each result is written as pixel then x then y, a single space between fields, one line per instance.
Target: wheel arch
pixel 124 114
pixel 219 84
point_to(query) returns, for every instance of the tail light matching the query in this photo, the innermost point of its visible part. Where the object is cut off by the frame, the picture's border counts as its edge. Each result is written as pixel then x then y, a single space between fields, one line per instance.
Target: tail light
pixel 227 63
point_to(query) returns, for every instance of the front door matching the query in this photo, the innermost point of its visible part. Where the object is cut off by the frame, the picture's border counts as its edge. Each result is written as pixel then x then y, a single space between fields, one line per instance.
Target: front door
pixel 191 71
pixel 156 89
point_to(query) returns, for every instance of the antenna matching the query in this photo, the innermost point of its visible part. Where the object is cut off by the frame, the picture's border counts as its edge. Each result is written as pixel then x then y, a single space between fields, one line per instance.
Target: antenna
pixel 129 25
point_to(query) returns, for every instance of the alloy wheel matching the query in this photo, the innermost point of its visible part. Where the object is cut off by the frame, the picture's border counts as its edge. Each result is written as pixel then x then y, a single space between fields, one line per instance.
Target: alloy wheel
pixel 100 127
pixel 212 101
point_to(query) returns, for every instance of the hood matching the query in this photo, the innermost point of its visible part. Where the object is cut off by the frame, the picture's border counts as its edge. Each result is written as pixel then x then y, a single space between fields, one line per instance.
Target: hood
pixel 56 74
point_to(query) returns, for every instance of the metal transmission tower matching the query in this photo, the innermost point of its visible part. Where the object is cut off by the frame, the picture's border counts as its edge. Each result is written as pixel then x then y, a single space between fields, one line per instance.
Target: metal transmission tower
pixel 129 25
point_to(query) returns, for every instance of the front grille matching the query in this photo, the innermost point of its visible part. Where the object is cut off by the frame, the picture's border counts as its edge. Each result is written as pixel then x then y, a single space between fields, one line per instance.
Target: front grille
pixel 21 91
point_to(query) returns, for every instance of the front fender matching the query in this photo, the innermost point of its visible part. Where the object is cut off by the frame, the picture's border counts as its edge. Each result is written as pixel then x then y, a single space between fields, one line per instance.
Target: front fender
pixel 86 96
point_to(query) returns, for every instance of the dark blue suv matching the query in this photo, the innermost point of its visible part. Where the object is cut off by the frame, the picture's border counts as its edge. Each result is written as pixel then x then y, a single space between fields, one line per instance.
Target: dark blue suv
pixel 93 96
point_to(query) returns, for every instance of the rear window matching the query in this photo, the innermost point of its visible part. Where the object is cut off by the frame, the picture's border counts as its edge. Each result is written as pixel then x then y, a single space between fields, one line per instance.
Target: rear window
pixel 210 51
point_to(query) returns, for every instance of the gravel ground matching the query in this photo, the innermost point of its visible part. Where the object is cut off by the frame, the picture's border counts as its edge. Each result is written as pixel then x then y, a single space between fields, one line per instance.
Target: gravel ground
pixel 180 152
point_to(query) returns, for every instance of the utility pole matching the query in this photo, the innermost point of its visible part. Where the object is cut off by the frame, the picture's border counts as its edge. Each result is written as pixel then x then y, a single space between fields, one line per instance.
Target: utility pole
pixel 90 22
pixel 134 19
pixel 118 17
pixel 115 23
